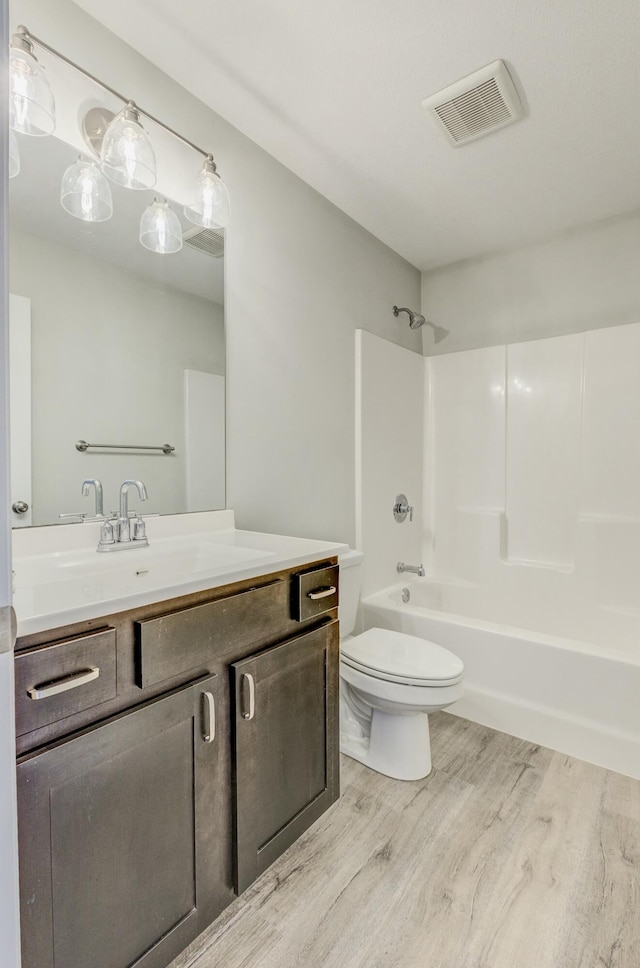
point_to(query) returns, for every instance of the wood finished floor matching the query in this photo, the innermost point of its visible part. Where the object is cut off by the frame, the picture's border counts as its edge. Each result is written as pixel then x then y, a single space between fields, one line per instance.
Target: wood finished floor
pixel 508 855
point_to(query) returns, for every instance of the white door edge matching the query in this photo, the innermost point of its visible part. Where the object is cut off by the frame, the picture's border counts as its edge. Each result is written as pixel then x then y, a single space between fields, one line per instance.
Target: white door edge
pixel 9 896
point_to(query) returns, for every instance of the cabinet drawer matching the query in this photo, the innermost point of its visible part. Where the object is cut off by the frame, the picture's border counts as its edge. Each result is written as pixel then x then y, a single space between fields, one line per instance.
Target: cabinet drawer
pixel 314 592
pixel 192 638
pixel 58 680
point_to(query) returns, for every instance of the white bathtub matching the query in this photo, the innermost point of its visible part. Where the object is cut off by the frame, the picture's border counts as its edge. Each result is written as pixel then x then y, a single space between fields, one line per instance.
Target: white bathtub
pixel 581 698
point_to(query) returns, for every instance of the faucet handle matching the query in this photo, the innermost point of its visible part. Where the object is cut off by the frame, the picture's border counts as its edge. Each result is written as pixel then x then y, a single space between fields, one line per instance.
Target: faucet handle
pixel 139 529
pixel 401 508
pixel 107 536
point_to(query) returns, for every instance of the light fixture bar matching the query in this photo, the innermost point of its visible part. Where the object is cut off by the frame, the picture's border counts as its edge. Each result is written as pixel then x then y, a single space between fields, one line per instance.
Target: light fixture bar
pixel 26 35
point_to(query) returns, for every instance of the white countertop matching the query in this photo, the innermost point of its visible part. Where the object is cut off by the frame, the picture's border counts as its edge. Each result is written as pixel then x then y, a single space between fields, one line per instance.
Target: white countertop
pixel 60 579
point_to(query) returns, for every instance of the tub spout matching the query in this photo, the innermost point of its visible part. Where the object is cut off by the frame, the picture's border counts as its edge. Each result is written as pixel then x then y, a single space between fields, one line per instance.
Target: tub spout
pixel 414 569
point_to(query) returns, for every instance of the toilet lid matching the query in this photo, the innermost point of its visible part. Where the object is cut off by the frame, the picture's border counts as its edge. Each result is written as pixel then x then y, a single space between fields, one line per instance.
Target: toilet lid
pixel 402 657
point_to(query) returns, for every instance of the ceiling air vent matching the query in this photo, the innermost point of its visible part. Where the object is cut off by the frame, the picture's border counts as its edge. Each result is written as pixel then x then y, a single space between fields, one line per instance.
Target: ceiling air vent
pixel 209 241
pixel 478 104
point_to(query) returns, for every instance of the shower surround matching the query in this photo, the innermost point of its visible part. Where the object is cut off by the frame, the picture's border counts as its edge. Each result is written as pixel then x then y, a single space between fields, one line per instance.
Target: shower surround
pixel 529 528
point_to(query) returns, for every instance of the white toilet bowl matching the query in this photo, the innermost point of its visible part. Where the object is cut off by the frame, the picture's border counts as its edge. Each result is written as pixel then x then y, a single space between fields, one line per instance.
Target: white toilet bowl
pixel 390 682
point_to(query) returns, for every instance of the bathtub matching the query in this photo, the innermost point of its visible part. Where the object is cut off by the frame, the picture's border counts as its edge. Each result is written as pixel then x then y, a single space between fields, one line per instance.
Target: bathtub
pixel 577 697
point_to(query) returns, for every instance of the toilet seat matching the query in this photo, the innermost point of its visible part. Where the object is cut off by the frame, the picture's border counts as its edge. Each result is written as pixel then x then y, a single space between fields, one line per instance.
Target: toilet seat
pixel 398 657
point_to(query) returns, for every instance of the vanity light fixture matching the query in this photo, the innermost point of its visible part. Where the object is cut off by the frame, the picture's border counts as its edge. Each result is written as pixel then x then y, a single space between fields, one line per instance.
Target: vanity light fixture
pixel 126 153
pixel 32 108
pixel 160 229
pixel 123 146
pixel 210 209
pixel 85 192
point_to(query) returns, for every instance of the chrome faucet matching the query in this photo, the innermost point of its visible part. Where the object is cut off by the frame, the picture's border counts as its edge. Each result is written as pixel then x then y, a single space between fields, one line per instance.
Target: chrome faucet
pixel 124 524
pixel 414 569
pixel 86 485
pixel 115 534
pixel 82 516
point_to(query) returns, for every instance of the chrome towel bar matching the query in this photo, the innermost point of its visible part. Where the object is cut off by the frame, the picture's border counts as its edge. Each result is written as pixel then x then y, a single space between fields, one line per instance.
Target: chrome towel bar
pixel 82 445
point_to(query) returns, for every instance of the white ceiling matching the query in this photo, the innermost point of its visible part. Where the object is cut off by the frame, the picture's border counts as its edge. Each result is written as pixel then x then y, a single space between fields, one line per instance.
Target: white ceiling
pixel 334 89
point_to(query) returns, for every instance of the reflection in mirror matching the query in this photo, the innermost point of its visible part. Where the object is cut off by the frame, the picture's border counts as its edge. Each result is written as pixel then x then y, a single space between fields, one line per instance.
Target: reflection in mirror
pixel 127 348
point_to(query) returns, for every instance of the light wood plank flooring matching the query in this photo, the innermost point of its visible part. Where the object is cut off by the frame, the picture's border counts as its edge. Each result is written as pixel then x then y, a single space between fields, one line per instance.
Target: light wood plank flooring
pixel 508 855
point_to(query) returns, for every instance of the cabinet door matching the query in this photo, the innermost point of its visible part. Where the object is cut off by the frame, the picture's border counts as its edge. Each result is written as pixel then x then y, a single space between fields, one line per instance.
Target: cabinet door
pixel 286 766
pixel 118 854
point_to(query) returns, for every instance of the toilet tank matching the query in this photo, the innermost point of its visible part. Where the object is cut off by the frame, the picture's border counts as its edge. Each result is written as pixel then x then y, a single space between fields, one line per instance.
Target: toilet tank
pixel 350 582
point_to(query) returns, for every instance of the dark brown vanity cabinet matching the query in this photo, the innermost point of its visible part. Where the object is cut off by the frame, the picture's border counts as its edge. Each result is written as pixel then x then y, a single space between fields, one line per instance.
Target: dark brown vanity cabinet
pixel 118 827
pixel 167 756
pixel 285 751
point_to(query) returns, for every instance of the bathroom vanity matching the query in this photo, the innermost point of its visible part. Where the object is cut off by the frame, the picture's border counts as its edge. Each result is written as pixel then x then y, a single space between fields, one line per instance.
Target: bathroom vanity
pixel 168 753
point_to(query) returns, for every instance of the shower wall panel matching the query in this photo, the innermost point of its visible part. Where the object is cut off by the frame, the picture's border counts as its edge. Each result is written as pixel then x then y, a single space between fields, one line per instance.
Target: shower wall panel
pixel 534 496
pixel 544 404
pixel 466 453
pixel 610 471
pixel 389 446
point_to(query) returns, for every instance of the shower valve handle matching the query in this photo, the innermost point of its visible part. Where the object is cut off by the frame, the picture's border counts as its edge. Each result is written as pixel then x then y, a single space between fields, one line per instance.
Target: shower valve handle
pixel 401 508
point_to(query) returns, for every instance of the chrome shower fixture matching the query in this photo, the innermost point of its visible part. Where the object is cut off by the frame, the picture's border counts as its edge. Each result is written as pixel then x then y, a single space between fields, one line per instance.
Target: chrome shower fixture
pixel 416 320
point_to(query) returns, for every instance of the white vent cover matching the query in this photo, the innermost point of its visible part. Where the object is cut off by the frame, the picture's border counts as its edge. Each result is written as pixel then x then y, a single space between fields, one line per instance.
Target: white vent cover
pixel 478 104
pixel 209 241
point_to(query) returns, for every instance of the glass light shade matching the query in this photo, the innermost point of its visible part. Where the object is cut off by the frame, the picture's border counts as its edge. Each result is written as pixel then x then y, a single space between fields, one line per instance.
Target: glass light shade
pixel 160 229
pixel 211 206
pixel 14 156
pixel 85 192
pixel 32 107
pixel 126 156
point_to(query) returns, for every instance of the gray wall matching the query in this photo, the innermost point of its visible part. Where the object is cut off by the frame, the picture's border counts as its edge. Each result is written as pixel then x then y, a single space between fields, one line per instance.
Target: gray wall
pixel 109 350
pixel 301 278
pixel 581 280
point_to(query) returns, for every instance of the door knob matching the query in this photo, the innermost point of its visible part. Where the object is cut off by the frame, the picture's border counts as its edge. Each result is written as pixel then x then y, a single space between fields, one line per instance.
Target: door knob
pixel 20 507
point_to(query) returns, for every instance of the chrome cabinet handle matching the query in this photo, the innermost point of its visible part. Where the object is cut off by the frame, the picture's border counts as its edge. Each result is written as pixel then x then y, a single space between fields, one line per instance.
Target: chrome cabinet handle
pixel 47 689
pixel 20 507
pixel 252 696
pixel 208 717
pixel 322 593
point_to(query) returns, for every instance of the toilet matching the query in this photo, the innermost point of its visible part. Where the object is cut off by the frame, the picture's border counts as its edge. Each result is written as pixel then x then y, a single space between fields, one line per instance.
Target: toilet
pixel 389 683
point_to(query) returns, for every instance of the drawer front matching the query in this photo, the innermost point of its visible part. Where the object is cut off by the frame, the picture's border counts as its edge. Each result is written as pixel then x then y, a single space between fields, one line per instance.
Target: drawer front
pixel 64 678
pixel 193 638
pixel 314 592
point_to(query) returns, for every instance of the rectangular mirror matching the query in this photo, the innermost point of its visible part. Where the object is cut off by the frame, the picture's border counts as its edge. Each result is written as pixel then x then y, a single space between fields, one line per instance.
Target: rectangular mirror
pixel 127 350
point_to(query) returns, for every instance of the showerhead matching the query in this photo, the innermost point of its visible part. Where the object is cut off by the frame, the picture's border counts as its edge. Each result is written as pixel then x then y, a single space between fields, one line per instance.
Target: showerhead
pixel 416 320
